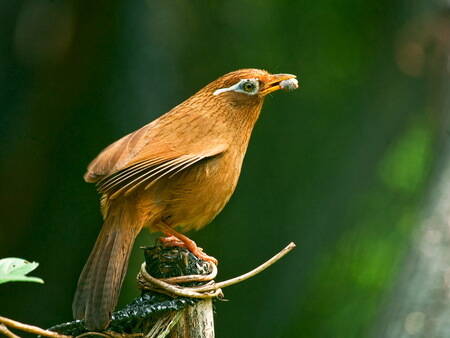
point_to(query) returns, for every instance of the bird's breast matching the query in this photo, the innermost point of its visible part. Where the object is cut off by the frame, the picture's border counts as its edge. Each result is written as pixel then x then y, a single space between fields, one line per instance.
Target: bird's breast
pixel 194 197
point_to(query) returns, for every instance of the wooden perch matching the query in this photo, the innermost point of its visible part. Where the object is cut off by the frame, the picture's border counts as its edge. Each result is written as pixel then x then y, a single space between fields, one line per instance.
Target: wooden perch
pixel 194 321
pixel 158 314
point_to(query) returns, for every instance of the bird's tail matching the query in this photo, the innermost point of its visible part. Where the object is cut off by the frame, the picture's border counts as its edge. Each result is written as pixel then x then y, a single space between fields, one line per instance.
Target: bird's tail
pixel 101 279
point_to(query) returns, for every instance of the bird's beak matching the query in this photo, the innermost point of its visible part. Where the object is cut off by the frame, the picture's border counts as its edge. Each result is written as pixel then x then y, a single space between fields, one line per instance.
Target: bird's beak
pixel 273 83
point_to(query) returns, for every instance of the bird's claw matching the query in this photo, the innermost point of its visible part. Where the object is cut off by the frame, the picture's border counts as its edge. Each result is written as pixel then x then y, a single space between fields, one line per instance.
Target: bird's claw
pixel 171 241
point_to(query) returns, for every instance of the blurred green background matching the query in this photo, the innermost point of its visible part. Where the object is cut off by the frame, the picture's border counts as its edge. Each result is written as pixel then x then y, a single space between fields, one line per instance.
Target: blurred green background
pixel 341 166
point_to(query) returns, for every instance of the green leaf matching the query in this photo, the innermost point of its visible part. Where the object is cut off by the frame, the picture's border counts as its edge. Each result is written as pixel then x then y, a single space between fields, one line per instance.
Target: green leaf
pixel 15 270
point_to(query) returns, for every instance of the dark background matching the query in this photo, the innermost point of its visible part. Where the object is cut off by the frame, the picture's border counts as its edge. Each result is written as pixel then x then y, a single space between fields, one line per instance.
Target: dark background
pixel 340 166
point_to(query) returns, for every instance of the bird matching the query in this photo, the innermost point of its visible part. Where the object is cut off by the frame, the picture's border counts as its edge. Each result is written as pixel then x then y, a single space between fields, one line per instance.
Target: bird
pixel 176 172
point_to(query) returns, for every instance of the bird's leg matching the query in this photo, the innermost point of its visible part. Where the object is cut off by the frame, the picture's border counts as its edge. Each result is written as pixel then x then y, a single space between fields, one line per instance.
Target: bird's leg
pixel 171 241
pixel 174 238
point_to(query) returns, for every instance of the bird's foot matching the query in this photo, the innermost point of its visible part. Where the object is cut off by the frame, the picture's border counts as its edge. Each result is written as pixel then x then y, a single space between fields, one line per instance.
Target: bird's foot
pixel 198 252
pixel 176 239
pixel 170 241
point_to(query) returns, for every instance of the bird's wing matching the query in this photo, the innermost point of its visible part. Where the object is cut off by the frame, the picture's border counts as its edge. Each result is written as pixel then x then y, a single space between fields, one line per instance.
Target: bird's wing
pixel 143 157
pixel 117 155
pixel 146 173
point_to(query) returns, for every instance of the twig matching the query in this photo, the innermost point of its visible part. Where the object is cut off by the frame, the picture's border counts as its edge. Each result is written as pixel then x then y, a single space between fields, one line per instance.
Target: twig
pixel 209 290
pixel 249 274
pixel 100 334
pixel 149 282
pixel 6 332
pixel 109 334
pixel 30 328
pixel 193 278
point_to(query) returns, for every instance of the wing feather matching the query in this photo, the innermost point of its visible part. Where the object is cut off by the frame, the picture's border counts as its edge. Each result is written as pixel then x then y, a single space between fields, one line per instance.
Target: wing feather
pixel 122 176
pixel 142 177
pixel 128 179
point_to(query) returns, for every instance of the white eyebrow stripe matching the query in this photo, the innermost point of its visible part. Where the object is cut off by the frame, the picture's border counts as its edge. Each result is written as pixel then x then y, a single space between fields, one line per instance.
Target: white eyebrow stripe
pixel 223 90
pixel 233 87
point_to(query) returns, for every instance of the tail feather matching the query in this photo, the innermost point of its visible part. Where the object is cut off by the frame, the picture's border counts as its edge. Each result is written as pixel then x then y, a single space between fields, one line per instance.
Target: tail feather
pixel 102 277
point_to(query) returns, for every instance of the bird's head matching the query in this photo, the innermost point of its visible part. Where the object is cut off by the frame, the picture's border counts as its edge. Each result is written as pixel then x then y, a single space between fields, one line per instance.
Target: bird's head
pixel 249 86
pixel 236 98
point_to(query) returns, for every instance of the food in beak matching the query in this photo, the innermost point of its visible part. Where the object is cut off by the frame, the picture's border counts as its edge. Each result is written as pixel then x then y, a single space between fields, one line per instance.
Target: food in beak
pixel 290 84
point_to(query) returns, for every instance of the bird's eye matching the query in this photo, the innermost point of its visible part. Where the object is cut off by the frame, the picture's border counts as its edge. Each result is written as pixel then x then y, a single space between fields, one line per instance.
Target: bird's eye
pixel 248 86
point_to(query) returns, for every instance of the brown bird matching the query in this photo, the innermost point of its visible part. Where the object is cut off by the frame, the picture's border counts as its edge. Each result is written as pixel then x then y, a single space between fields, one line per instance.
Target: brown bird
pixel 177 171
